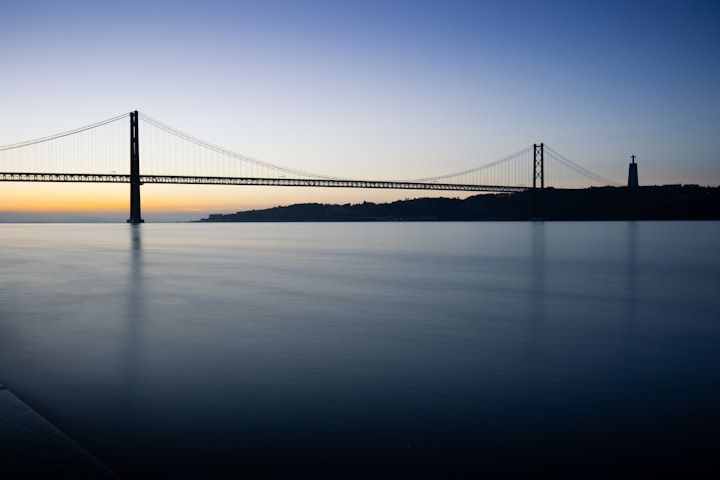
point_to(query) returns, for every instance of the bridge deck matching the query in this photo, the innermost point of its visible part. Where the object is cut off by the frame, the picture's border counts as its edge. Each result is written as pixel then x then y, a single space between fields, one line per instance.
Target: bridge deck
pixel 280 182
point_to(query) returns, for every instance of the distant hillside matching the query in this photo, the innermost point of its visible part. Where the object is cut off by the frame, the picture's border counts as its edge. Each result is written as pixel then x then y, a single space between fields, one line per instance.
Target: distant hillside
pixel 669 202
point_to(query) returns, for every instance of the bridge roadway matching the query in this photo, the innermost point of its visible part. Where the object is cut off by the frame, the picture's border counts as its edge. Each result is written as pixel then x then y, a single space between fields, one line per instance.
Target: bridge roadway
pixel 280 182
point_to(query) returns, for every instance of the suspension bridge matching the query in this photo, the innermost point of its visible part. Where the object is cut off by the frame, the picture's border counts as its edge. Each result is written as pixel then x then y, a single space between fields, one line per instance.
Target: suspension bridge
pixel 99 153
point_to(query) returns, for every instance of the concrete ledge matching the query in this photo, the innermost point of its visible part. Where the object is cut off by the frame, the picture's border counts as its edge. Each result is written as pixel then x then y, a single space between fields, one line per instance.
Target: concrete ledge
pixel 31 447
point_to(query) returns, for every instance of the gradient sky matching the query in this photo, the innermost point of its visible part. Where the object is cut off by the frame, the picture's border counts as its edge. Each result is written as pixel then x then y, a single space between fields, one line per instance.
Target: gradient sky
pixel 371 89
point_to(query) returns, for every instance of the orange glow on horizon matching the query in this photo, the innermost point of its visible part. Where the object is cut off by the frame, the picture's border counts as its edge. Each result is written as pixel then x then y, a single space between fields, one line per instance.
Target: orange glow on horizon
pixel 60 197
pixel 56 197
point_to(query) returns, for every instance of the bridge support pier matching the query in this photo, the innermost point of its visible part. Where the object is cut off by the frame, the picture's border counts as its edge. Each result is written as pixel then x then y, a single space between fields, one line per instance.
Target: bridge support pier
pixel 135 217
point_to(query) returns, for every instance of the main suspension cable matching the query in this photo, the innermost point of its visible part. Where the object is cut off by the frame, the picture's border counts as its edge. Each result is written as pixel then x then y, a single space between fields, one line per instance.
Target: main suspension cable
pixel 61 135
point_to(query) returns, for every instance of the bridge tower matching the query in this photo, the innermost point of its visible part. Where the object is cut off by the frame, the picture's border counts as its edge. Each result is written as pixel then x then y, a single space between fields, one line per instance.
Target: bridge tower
pixel 538 209
pixel 539 165
pixel 135 217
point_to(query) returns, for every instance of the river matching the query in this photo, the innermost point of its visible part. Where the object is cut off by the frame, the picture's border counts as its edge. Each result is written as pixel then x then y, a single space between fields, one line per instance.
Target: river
pixel 384 350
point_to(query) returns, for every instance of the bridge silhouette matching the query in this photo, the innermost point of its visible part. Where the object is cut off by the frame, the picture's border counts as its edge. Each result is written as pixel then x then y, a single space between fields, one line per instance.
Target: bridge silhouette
pixel 98 153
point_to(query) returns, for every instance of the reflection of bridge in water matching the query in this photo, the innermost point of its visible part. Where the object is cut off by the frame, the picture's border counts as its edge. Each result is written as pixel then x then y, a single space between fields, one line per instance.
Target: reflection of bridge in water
pixel 98 153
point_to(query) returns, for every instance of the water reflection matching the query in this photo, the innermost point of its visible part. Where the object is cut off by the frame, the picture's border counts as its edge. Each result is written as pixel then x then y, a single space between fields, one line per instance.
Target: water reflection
pixel 631 267
pixel 134 305
pixel 536 349
pixel 537 277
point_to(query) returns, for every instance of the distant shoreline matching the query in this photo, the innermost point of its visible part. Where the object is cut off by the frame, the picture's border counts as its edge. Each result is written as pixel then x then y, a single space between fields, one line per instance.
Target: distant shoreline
pixel 667 202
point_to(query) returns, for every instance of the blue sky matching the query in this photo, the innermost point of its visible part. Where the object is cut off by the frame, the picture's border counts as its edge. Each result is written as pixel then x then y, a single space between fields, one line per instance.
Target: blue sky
pixel 377 89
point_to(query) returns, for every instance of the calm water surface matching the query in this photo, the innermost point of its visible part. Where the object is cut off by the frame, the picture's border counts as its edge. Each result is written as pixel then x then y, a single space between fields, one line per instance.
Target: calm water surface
pixel 371 349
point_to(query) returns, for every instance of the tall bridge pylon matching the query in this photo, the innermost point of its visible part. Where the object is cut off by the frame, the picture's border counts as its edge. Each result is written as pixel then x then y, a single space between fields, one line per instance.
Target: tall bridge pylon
pixel 539 165
pixel 135 182
pixel 538 174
